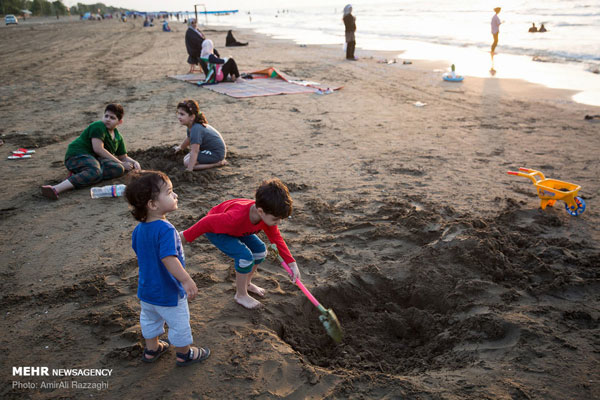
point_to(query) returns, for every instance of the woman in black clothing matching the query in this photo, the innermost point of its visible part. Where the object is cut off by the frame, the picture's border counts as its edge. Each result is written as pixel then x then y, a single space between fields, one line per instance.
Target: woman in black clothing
pixel 227 67
pixel 350 24
pixel 193 44
pixel 231 41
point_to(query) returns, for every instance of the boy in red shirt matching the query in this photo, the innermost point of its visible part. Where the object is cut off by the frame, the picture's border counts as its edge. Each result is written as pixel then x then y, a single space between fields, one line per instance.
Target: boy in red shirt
pixel 232 227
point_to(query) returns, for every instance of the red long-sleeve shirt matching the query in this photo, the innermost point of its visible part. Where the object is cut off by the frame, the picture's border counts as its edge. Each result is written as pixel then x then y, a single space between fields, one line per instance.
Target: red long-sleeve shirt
pixel 233 218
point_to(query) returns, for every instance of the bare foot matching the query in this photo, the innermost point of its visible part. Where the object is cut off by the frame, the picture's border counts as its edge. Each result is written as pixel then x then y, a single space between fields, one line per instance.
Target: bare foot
pixel 247 301
pixel 49 192
pixel 217 164
pixel 256 289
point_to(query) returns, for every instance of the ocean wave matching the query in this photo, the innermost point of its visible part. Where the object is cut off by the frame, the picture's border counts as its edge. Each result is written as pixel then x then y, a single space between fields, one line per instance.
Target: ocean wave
pixel 564 55
pixel 566 24
pixel 569 14
pixel 570 38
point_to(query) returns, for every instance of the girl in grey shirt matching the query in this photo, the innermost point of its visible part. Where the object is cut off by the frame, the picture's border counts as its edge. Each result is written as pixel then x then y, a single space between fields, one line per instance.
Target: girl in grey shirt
pixel 207 147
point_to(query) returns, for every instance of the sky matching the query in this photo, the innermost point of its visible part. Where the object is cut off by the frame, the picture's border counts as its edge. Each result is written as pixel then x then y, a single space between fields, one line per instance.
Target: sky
pixel 211 5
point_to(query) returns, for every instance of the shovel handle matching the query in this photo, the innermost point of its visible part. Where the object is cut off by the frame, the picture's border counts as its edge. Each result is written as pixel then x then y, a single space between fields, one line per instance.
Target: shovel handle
pixel 306 292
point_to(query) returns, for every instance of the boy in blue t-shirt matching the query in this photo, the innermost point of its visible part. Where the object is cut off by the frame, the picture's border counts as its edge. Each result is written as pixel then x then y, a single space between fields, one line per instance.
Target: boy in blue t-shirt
pixel 163 283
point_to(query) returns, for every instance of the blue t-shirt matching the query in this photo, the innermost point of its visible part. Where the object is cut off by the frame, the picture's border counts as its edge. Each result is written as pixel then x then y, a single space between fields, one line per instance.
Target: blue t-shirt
pixel 153 241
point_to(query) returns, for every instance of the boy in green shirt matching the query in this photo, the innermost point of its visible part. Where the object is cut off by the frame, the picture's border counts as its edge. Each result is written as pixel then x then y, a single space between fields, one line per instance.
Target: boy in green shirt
pixel 96 155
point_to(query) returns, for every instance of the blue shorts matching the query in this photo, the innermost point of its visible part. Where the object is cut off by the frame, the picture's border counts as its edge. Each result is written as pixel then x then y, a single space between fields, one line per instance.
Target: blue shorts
pixel 247 251
pixel 153 318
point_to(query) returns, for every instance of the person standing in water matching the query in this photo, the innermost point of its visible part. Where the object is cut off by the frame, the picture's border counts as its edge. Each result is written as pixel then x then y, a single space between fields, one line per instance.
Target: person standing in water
pixel 495 28
pixel 350 24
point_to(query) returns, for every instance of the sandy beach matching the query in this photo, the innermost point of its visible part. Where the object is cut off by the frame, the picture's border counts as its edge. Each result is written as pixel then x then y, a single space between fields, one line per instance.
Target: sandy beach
pixel 449 281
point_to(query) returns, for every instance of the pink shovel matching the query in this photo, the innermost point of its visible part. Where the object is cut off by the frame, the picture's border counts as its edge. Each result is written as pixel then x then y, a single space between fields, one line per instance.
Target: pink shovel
pixel 327 317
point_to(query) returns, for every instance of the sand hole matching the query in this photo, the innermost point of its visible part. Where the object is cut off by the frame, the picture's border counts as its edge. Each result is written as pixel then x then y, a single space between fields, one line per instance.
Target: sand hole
pixel 390 327
pixel 163 158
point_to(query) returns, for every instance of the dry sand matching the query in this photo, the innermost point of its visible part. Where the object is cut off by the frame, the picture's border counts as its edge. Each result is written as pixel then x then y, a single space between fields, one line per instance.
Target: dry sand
pixel 448 279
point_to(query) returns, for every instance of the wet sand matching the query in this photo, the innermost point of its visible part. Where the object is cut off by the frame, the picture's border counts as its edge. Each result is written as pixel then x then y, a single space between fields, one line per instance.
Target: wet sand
pixel 449 281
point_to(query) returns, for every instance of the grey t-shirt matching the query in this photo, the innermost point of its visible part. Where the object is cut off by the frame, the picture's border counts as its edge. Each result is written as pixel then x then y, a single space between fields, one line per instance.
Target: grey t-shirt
pixel 208 138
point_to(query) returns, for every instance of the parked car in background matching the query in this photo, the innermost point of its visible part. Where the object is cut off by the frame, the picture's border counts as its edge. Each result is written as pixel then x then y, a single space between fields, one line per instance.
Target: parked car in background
pixel 11 19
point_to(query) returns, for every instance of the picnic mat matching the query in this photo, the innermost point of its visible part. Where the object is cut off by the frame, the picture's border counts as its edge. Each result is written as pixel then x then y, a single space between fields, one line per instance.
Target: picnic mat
pixel 266 82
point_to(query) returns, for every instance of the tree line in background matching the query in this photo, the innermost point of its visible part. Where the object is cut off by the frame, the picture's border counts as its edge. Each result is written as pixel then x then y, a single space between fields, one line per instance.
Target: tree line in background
pixel 44 7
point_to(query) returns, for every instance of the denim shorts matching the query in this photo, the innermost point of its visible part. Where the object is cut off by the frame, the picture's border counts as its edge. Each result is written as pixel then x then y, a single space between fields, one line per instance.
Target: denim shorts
pixel 153 318
pixel 247 251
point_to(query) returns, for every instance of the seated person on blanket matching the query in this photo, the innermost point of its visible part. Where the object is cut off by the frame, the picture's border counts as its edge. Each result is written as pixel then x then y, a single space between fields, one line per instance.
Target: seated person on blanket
pixel 193 44
pixel 230 41
pixel 96 155
pixel 207 147
pixel 232 227
pixel 218 68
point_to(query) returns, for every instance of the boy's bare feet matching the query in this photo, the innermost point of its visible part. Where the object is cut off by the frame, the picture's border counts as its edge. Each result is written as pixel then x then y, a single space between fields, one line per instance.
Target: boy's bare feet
pixel 222 163
pixel 49 192
pixel 256 289
pixel 247 301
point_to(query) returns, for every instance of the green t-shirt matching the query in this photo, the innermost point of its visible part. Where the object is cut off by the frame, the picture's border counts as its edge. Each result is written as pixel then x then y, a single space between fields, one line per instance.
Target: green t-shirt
pixel 83 144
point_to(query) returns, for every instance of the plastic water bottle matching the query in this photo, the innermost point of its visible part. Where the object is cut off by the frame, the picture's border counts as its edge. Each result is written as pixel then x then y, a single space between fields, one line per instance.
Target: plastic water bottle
pixel 107 191
pixel 453 71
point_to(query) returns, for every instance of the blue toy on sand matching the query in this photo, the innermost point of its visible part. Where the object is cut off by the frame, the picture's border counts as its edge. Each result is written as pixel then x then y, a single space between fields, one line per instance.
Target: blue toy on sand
pixel 451 76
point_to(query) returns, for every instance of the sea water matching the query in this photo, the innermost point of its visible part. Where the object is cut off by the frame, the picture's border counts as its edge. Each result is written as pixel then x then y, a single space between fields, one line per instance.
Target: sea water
pixel 458 32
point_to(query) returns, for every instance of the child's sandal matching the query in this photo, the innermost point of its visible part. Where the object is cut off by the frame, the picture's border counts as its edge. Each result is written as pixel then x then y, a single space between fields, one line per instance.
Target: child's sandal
pixel 189 357
pixel 162 347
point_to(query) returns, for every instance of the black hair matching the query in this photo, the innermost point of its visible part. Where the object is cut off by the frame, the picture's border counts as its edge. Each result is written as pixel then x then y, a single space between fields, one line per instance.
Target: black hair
pixel 274 198
pixel 143 186
pixel 116 109
pixel 191 107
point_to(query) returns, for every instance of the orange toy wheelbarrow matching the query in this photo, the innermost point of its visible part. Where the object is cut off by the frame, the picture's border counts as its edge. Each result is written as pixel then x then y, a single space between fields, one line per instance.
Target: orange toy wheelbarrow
pixel 550 190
